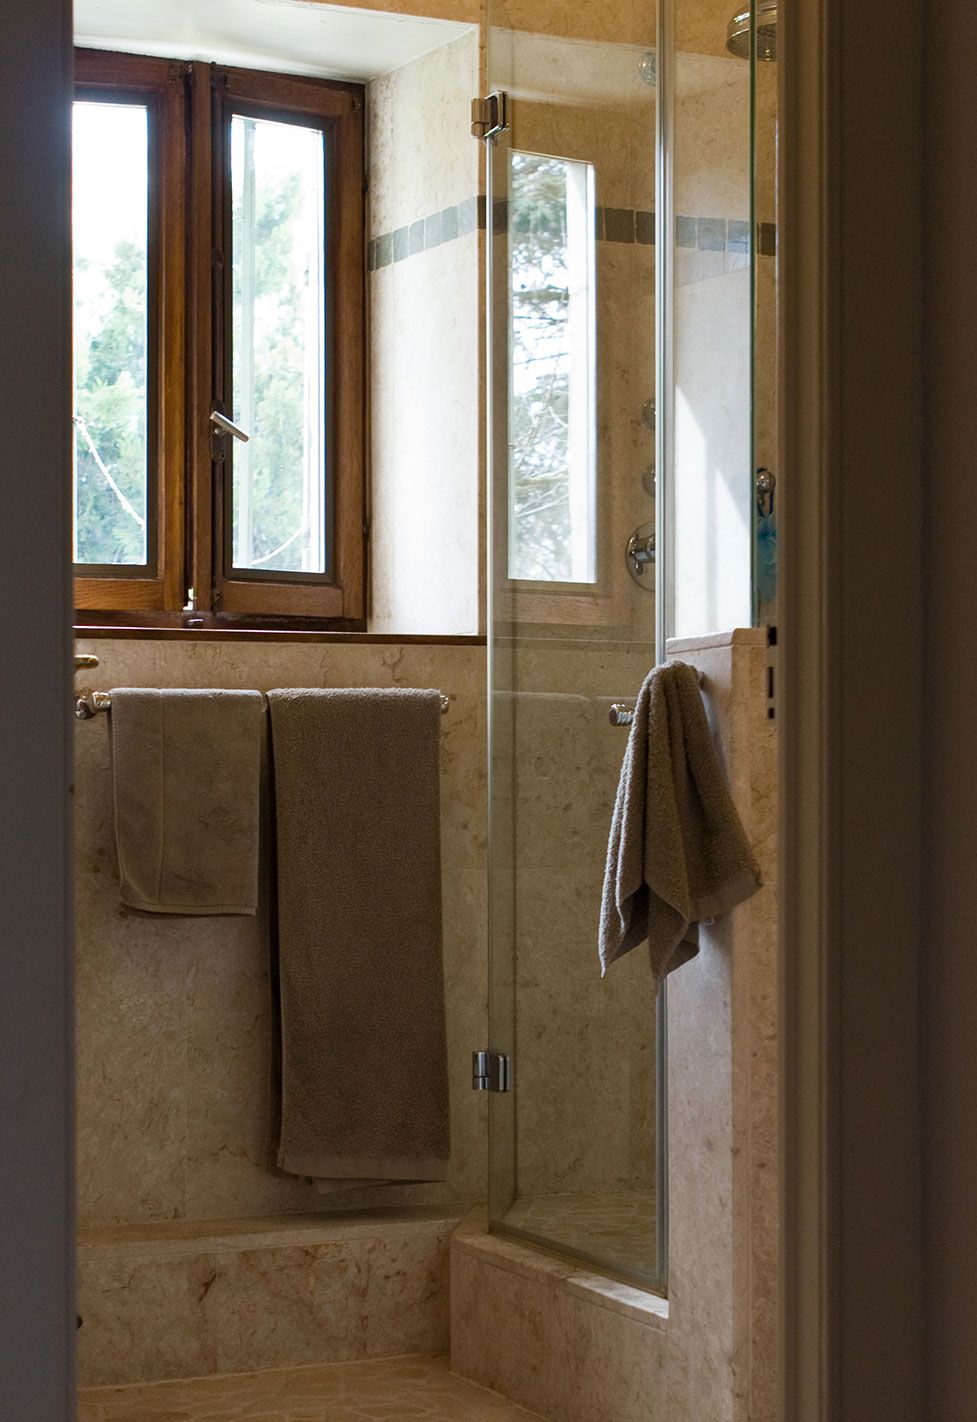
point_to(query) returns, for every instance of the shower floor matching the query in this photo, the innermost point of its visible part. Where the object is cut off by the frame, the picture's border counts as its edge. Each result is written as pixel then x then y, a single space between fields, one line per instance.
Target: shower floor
pixel 616 1226
pixel 421 1388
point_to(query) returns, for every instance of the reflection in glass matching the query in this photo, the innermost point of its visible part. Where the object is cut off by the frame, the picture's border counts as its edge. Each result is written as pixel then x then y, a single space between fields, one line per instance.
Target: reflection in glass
pixel 279 348
pixel 110 265
pixel 552 459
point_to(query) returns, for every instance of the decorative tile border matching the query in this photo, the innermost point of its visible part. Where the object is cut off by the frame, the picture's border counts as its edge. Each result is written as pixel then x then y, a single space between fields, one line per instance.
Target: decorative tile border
pixel 722 234
pixel 428 232
pixel 629 226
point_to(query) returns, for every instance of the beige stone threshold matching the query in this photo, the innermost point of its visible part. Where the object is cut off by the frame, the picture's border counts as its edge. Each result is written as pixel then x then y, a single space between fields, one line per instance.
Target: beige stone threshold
pixel 531 1262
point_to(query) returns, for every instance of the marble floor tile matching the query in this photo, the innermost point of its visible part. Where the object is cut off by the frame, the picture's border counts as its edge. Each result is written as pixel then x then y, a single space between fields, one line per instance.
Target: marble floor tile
pixel 420 1388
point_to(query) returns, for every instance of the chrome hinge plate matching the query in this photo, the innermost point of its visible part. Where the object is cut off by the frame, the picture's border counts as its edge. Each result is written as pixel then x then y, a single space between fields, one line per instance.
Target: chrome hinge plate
pixel 490 116
pixel 491 1071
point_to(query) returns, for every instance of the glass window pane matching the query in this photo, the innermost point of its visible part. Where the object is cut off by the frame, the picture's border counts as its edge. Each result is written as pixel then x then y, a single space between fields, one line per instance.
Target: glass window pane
pixel 110 248
pixel 279 518
pixel 552 461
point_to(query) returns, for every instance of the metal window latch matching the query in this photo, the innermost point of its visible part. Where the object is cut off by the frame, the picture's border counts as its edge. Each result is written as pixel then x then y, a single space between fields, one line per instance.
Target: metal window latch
pixel 490 116
pixel 222 427
pixel 491 1071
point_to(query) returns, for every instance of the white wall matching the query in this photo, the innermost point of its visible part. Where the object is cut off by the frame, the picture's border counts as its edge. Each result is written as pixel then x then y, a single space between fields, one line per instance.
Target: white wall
pixel 425 367
pixel 711 484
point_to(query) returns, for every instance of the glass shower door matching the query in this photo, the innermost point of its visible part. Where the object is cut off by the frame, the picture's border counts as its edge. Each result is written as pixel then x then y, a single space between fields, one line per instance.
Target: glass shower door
pixel 632 443
pixel 574 1150
pixel 717 351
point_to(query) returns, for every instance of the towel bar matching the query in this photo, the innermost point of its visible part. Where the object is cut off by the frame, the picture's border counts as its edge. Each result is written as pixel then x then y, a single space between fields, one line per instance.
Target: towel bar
pixel 90 703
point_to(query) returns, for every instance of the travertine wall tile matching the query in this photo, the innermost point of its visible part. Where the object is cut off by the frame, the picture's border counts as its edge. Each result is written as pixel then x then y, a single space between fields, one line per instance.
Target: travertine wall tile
pixel 715 1356
pixel 136 1154
pixel 174 1016
pixel 590 1349
pixel 404 1307
pixel 425 372
pixel 507 1333
pixel 584 1045
pixel 266 1308
pixel 421 154
pixel 142 1319
pixel 617 1367
pixel 426 456
pixel 171 1308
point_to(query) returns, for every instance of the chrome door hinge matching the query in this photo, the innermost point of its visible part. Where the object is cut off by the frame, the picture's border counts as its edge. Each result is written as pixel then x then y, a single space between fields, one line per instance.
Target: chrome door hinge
pixel 490 116
pixel 491 1071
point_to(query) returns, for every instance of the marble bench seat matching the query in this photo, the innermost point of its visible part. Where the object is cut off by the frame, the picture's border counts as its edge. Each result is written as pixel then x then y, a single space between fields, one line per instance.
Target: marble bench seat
pixel 184 1299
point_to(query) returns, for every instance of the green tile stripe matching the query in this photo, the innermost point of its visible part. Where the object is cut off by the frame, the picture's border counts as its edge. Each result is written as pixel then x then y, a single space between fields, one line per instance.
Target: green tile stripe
pixel 629 226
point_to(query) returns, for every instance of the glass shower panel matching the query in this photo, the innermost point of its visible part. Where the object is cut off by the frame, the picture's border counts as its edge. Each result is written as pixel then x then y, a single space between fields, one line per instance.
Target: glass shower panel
pixel 765 311
pixel 707 395
pixel 574 1142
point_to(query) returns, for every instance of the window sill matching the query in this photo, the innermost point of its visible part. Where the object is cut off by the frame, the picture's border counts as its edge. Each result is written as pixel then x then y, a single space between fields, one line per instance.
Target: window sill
pixel 215 630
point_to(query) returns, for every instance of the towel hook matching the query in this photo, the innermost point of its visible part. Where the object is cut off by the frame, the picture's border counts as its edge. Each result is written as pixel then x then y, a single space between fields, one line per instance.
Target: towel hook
pixel 621 714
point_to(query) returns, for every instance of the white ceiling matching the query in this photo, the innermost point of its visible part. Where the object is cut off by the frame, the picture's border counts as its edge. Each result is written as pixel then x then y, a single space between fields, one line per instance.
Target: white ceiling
pixel 294 36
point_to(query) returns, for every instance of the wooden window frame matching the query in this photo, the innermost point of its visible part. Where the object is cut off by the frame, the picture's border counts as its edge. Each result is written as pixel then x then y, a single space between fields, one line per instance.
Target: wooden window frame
pixel 192 208
pixel 159 84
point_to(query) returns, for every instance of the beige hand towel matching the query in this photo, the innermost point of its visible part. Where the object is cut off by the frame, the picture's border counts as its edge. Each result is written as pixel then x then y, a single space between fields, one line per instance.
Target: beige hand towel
pixel 677 852
pixel 185 777
pixel 364 1060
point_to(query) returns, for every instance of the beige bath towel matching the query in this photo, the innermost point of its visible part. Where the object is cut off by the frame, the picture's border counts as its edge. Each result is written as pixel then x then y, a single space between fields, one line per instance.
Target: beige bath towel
pixel 364 1061
pixel 185 777
pixel 677 853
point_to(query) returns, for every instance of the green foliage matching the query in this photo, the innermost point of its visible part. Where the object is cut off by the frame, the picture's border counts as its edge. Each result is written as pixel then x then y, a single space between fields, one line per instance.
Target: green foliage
pixel 110 397
pixel 111 385
pixel 538 415
pixel 270 394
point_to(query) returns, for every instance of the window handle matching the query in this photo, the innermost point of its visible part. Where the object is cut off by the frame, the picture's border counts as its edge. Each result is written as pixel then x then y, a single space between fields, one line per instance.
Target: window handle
pixel 228 427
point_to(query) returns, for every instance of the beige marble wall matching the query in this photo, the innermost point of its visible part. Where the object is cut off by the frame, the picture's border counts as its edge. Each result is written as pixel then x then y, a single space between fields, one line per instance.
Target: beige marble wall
pixel 596 1351
pixel 174 1015
pixel 700 25
pixel 421 156
pixel 571 1345
pixel 723 1053
pixel 463 11
pixel 181 1301
pixel 585 1046
pixel 583 1116
pixel 425 370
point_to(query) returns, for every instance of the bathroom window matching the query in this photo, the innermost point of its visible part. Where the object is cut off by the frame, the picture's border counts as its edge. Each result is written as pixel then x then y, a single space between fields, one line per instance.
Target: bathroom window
pixel 219 346
pixel 552 459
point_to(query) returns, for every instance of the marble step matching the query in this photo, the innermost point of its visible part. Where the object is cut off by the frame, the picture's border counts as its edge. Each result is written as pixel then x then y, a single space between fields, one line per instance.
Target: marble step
pixel 188 1299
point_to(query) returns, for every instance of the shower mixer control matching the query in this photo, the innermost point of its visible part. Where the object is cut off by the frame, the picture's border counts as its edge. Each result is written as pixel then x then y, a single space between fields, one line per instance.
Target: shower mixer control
pixel 640 554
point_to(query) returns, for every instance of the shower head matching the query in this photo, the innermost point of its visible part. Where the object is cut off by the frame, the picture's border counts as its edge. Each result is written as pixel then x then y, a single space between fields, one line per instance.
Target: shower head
pixel 738 32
